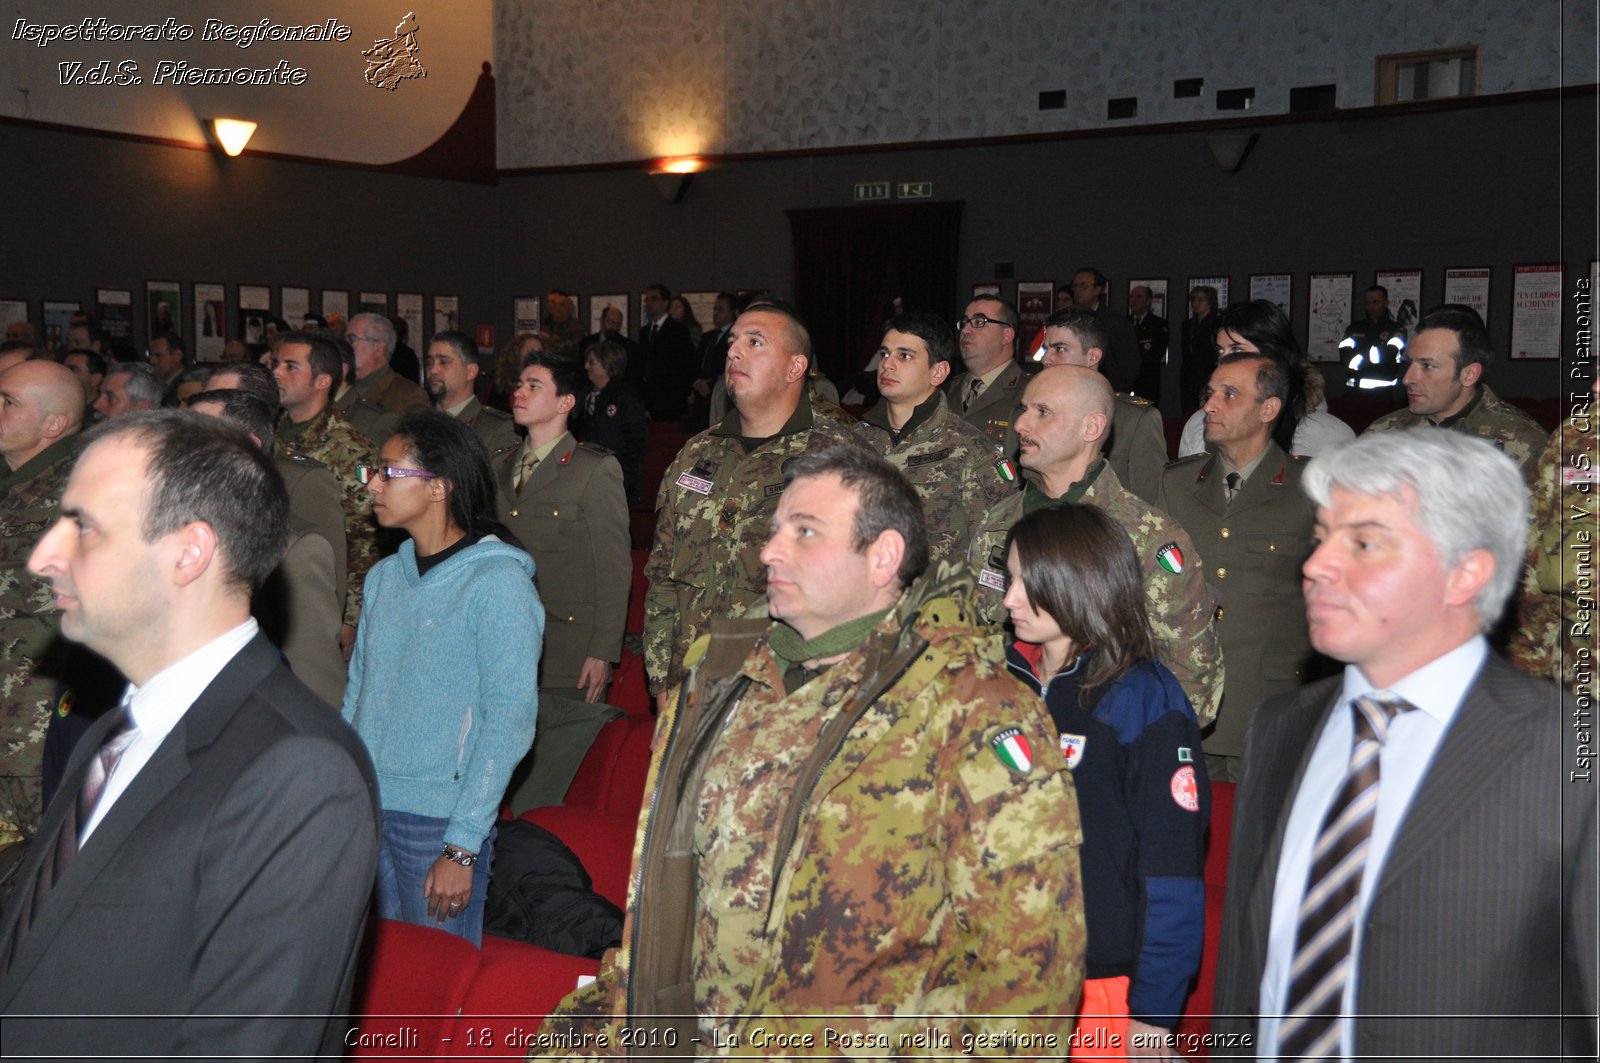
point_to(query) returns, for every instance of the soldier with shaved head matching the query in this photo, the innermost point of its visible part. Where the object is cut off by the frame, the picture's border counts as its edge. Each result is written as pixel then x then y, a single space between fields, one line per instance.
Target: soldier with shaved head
pixel 1062 422
pixel 41 414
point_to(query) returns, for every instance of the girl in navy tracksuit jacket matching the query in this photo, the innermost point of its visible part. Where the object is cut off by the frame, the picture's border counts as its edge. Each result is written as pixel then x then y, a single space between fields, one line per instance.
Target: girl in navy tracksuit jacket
pixel 1132 741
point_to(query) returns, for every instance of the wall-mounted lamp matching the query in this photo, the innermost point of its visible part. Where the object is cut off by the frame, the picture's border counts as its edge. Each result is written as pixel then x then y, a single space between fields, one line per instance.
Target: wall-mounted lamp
pixel 231 134
pixel 672 176
pixel 1229 149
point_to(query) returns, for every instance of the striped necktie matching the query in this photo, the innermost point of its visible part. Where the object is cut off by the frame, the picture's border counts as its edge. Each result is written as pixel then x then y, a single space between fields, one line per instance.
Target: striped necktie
pixel 1322 958
pixel 104 763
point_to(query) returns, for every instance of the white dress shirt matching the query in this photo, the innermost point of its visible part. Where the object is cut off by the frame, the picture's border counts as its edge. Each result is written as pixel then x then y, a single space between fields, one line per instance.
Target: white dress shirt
pixel 1436 689
pixel 157 707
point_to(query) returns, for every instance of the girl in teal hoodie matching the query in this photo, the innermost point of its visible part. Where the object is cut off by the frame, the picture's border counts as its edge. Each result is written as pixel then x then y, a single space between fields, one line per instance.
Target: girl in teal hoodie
pixel 444 678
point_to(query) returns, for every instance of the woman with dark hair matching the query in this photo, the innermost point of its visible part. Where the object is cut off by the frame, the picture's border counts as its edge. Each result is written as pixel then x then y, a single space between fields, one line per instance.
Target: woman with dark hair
pixel 679 310
pixel 444 678
pixel 611 414
pixel 1258 327
pixel 1132 742
pixel 1199 345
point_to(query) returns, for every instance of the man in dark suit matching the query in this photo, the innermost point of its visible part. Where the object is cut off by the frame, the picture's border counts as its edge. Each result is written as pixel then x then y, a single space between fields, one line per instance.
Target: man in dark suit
pixel 611 331
pixel 1150 330
pixel 202 876
pixel 1091 290
pixel 668 356
pixel 1412 867
pixel 710 358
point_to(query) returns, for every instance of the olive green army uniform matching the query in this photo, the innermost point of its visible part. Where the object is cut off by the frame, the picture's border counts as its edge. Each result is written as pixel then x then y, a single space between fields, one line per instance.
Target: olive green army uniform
pixel 1489 416
pixel 1137 449
pixel 889 847
pixel 952 465
pixel 571 514
pixel 994 408
pixel 316 504
pixel 376 404
pixel 712 515
pixel 335 442
pixel 495 427
pixel 1555 627
pixel 1179 604
pixel 29 633
pixel 1253 548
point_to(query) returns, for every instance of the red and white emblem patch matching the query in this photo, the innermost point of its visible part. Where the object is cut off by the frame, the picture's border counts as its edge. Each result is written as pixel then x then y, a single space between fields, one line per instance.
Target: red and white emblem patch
pixel 1185 791
pixel 1072 749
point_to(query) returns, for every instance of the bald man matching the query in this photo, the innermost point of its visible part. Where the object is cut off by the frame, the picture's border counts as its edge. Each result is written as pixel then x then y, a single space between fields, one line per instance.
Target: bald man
pixel 41 414
pixel 1061 424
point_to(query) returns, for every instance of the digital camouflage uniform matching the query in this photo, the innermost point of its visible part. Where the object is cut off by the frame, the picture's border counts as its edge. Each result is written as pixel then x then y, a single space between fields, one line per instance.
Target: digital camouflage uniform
pixel 952 465
pixel 712 517
pixel 29 633
pixel 336 443
pixel 1555 635
pixel 854 856
pixel 1181 607
pixel 1489 416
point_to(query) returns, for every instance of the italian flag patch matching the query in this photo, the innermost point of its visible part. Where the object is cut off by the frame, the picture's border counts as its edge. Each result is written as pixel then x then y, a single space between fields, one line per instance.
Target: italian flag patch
pixel 1007 471
pixel 1170 558
pixel 1011 746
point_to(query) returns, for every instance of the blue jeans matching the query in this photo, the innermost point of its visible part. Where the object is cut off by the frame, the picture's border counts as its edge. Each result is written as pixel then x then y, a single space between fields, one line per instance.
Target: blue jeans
pixel 409 847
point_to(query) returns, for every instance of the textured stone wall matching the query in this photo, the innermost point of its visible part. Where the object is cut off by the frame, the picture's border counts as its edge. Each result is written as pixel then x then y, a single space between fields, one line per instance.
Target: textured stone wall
pixel 609 80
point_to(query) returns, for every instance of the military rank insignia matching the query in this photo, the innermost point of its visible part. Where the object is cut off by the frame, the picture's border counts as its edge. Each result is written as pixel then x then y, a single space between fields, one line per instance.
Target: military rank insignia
pixel 1011 746
pixel 1170 558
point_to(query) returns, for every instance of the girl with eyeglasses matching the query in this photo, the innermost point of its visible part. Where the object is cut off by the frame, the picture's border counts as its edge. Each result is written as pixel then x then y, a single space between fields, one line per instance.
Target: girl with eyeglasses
pixel 444 678
pixel 1132 742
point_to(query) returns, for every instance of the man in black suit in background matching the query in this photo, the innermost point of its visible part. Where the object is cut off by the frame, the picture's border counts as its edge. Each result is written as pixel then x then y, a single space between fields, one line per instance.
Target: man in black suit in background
pixel 202 875
pixel 668 357
pixel 1412 867
pixel 711 357
pixel 1150 329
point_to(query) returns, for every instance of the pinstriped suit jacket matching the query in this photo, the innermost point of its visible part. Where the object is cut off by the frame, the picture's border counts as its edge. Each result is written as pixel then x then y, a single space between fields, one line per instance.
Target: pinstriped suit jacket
pixel 1480 938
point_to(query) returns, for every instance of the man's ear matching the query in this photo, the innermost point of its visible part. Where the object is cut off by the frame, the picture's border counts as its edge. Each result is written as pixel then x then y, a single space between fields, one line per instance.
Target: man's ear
pixel 1095 426
pixel 197 547
pixel 1269 409
pixel 1092 356
pixel 941 373
pixel 1471 374
pixel 798 368
pixel 885 554
pixel 1469 576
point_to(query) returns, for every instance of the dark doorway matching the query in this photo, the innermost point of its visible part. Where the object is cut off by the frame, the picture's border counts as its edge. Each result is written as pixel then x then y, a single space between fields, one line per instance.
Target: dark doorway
pixel 850 263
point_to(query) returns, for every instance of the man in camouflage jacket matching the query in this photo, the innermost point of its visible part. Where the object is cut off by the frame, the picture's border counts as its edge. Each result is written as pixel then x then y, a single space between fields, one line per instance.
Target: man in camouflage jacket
pixel 719 493
pixel 38 439
pixel 861 828
pixel 952 465
pixel 1062 424
pixel 1445 363
pixel 1552 640
pixel 306 367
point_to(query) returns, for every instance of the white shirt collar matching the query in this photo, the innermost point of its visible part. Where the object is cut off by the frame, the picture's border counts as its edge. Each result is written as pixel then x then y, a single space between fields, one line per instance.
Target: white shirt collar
pixel 1437 688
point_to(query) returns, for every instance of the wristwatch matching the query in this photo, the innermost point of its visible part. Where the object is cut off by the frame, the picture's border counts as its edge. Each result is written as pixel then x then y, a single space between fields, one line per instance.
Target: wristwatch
pixel 454 855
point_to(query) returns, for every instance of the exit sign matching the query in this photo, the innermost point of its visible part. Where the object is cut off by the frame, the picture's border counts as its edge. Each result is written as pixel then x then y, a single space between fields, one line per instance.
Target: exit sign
pixel 868 191
pixel 914 190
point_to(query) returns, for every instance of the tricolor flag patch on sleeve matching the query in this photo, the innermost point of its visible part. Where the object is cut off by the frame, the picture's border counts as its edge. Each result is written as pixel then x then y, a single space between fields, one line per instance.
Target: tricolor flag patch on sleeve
pixel 1007 471
pixel 1170 558
pixel 1011 746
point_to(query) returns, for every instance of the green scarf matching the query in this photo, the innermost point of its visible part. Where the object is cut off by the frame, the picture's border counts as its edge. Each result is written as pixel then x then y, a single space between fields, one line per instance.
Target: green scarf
pixel 792 650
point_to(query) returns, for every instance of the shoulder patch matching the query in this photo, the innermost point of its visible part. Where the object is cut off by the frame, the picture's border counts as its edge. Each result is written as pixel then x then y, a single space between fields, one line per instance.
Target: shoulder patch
pixel 1006 470
pixel 1185 789
pixel 1011 746
pixel 1170 558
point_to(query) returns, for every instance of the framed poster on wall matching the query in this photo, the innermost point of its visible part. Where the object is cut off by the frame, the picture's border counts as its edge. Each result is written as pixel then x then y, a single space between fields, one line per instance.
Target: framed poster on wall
pixel 163 307
pixel 1469 286
pixel 1536 310
pixel 1275 288
pixel 374 303
pixel 12 311
pixel 114 308
pixel 293 305
pixel 57 316
pixel 1328 297
pixel 255 306
pixel 525 315
pixel 446 312
pixel 210 321
pixel 335 304
pixel 1221 284
pixel 1158 293
pixel 408 308
pixel 1405 294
